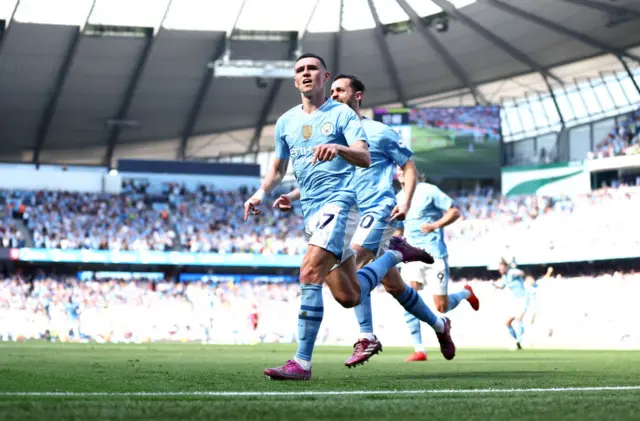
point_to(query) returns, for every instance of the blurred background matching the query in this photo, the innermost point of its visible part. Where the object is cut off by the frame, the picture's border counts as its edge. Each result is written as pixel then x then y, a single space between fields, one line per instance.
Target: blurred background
pixel 131 133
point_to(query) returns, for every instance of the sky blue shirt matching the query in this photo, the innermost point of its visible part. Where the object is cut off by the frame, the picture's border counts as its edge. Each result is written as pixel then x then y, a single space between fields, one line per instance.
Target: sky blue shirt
pixel 297 133
pixel 428 205
pixel 513 280
pixel 374 185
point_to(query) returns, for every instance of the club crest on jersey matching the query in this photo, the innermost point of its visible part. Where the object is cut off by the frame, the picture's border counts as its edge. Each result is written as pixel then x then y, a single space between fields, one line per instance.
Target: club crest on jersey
pixel 327 129
pixel 307 131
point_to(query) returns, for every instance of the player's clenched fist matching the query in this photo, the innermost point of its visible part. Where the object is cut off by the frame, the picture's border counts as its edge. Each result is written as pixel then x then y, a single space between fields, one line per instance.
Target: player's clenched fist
pixel 326 152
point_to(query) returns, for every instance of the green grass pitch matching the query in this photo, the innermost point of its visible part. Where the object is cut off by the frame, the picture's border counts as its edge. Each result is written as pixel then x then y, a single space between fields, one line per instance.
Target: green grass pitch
pixel 474 386
pixel 439 152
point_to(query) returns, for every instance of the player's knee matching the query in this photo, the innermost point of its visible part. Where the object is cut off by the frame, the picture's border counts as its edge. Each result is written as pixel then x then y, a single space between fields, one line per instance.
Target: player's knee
pixel 310 275
pixel 416 285
pixel 442 307
pixel 347 300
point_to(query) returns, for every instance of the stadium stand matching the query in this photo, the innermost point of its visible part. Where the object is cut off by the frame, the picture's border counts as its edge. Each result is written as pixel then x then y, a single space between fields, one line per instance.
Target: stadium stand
pixel 113 310
pixel 624 139
pixel 209 219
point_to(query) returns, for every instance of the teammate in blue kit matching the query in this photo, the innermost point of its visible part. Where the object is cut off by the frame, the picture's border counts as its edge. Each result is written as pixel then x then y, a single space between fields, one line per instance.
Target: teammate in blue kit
pixel 512 279
pixel 379 216
pixel 431 210
pixel 324 140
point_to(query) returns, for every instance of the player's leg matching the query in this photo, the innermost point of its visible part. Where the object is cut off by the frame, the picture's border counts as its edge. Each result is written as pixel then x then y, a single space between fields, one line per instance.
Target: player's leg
pixel 518 324
pixel 511 330
pixel 370 238
pixel 416 274
pixel 438 281
pixel 316 265
pixel 367 344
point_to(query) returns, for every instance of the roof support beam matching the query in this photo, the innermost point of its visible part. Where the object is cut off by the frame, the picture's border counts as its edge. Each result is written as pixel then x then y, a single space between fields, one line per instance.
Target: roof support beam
pixel 132 86
pixel 222 48
pixel 495 40
pixel 449 60
pixel 630 73
pixel 198 100
pixel 585 39
pixel 337 41
pixel 555 101
pixel 389 63
pixel 61 77
pixel 269 102
pixel 605 7
pixel 3 31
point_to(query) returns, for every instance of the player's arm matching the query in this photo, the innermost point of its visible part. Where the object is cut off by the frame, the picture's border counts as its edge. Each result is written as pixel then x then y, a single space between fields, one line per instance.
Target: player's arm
pixel 285 201
pixel 450 216
pixel 549 273
pixel 275 174
pixel 357 153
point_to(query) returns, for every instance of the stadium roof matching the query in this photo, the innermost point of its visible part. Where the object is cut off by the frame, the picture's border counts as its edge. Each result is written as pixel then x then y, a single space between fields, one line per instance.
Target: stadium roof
pixel 74 88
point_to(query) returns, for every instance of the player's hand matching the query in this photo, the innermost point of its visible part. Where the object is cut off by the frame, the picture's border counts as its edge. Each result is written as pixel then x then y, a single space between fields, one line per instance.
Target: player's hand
pixel 549 270
pixel 427 228
pixel 283 203
pixel 251 207
pixel 399 212
pixel 326 152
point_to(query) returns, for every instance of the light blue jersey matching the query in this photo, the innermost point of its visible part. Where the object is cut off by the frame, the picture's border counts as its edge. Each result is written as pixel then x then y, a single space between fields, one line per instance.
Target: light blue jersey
pixel 374 185
pixel 513 280
pixel 428 206
pixel 297 133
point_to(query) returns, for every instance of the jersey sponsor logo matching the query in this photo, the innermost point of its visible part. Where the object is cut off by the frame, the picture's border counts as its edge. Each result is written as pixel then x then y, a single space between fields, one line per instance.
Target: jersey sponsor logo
pixel 307 131
pixel 327 129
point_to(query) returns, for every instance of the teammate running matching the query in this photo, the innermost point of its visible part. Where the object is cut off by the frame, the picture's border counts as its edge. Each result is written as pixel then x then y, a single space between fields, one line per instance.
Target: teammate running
pixel 512 278
pixel 430 212
pixel 379 216
pixel 325 140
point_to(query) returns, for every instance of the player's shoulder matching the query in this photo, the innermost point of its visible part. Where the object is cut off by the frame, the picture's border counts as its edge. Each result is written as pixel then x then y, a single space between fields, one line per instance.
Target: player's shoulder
pixel 338 108
pixel 288 115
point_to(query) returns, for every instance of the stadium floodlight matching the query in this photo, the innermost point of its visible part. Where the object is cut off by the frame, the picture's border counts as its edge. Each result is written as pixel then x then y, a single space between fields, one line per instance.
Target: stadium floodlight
pixel 266 69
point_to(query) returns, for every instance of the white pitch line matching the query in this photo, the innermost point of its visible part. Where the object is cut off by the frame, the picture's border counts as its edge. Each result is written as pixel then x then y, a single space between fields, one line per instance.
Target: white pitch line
pixel 320 393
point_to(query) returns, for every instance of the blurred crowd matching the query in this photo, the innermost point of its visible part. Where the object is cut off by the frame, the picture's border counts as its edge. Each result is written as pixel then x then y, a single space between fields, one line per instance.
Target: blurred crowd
pixel 208 219
pixel 567 312
pixel 598 219
pixel 624 139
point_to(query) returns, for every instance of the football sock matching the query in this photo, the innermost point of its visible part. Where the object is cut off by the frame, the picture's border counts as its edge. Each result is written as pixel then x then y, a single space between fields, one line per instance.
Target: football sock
pixel 455 299
pixel 309 320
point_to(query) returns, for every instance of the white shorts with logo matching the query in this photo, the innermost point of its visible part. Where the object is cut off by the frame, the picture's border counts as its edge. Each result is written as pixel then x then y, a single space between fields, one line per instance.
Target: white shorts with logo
pixel 332 228
pixel 435 277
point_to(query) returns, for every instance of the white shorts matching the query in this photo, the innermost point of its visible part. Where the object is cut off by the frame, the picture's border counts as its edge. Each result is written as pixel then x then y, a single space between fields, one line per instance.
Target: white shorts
pixel 374 233
pixel 332 228
pixel 435 276
pixel 516 307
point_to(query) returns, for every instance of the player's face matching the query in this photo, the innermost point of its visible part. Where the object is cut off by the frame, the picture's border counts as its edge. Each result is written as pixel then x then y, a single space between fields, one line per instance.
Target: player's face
pixel 310 76
pixel 342 91
pixel 502 268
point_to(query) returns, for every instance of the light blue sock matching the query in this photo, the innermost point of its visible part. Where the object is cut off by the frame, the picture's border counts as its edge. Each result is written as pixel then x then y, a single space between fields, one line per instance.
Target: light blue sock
pixel 371 275
pixel 413 303
pixel 512 332
pixel 363 314
pixel 518 326
pixel 455 299
pixel 309 320
pixel 414 328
